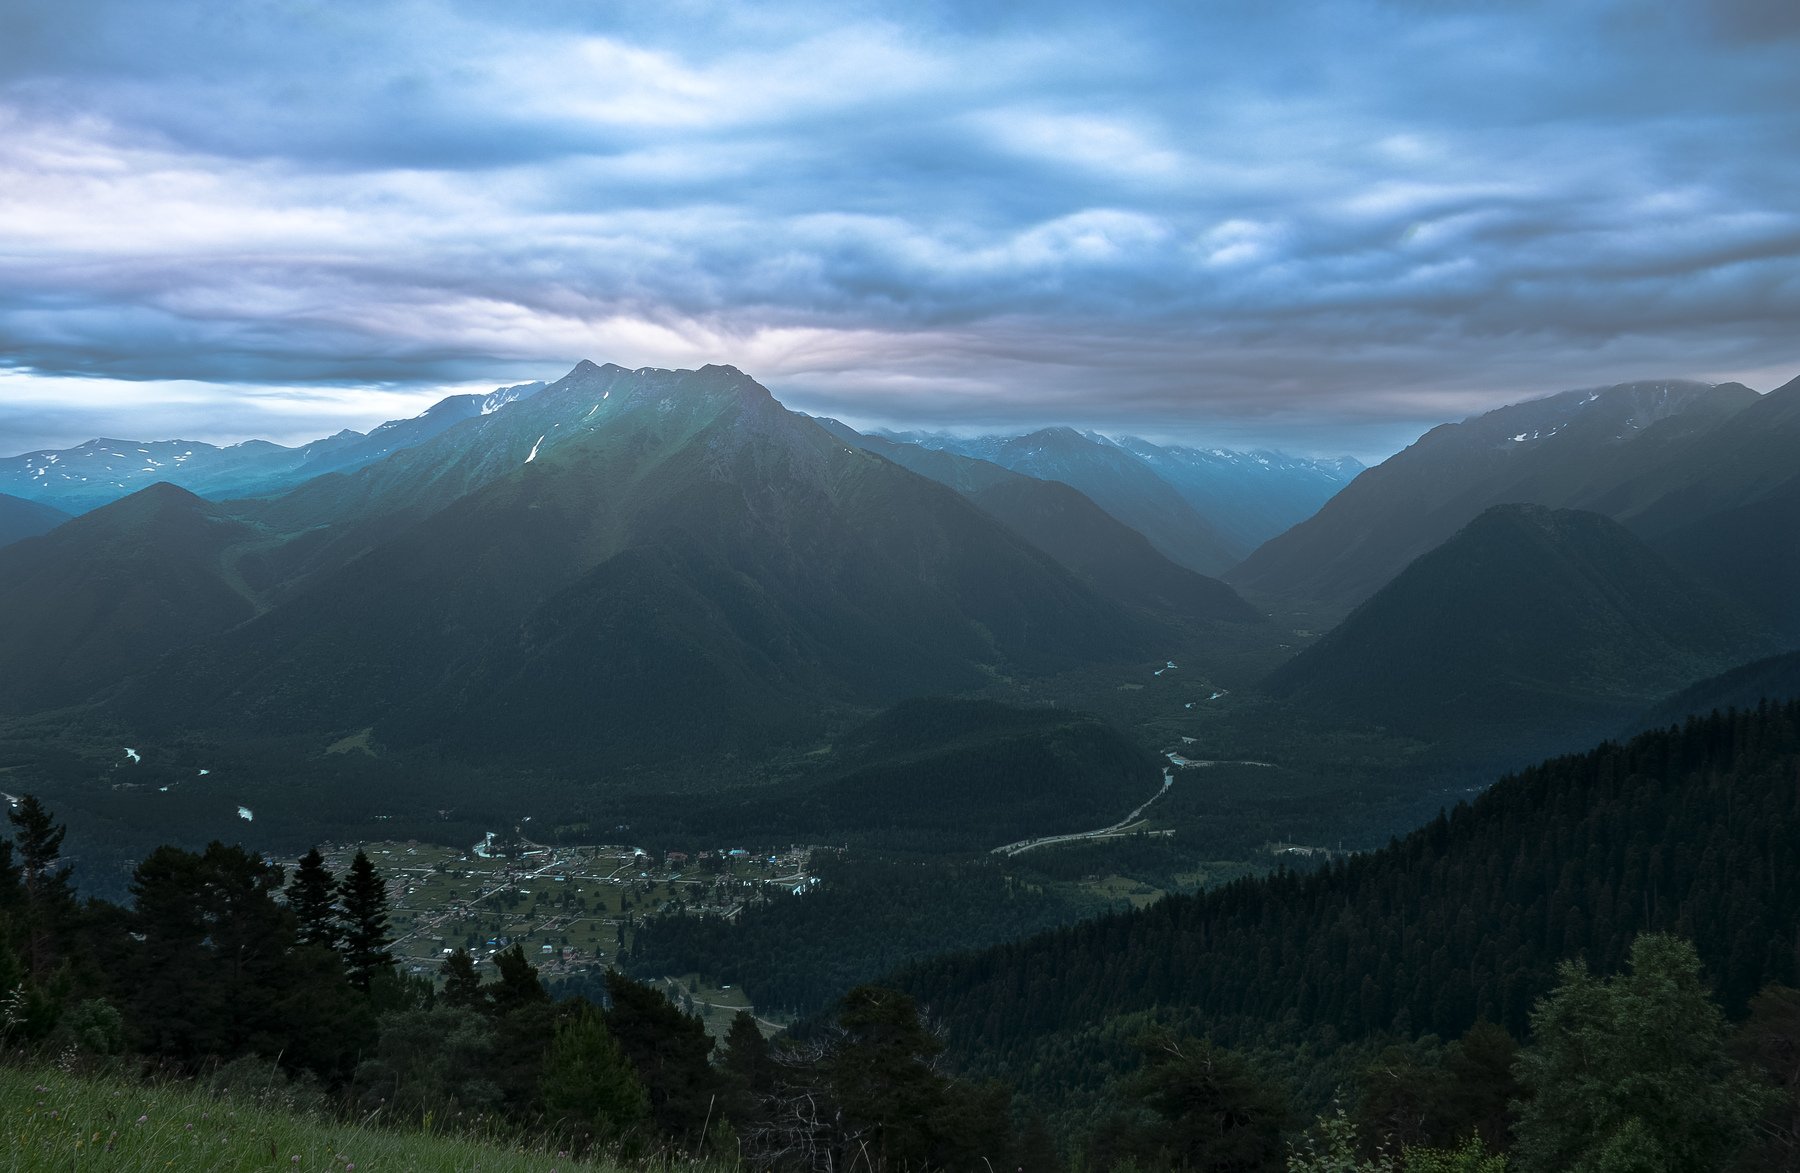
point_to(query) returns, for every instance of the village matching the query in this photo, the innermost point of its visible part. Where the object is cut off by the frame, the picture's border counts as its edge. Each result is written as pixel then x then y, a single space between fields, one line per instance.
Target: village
pixel 569 907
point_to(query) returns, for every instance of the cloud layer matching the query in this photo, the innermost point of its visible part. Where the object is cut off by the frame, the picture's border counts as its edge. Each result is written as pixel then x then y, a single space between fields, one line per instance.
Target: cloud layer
pixel 1325 226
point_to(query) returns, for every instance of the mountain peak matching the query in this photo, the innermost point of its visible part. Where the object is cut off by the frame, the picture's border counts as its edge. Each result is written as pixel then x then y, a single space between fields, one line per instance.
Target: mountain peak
pixel 165 493
pixel 154 504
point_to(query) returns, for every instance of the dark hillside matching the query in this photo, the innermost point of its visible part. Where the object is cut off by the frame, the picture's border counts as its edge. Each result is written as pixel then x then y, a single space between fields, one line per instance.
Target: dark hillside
pixel 1692 830
pixel 103 596
pixel 1775 678
pixel 1530 623
pixel 1750 552
pixel 21 519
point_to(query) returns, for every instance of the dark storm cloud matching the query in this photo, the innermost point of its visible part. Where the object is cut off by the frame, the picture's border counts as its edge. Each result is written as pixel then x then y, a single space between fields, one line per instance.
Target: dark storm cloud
pixel 1242 220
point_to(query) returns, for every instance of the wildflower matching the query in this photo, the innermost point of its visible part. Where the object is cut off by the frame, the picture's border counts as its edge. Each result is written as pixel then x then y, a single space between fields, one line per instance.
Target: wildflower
pixel 141 1119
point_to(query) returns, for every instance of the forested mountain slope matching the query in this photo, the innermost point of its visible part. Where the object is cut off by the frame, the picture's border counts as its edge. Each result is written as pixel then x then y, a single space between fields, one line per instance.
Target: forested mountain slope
pixel 673 565
pixel 1692 830
pixel 1773 677
pixel 103 596
pixel 1540 625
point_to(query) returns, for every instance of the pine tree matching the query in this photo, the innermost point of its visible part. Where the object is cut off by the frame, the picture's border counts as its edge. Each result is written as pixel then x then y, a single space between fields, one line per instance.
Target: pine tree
pixel 749 1071
pixel 213 967
pixel 312 894
pixel 519 985
pixel 882 1077
pixel 669 1052
pixel 49 901
pixel 1633 1066
pixel 363 898
pixel 462 985
pixel 1213 1110
pixel 588 1083
pixel 746 1054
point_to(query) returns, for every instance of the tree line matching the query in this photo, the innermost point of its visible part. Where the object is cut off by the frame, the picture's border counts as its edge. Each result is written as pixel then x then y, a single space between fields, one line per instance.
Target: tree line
pixel 224 961
pixel 1688 830
pixel 868 917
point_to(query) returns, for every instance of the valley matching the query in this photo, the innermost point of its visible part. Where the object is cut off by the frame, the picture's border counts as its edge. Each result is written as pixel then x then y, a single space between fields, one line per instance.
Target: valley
pixel 787 587
pixel 580 671
pixel 570 907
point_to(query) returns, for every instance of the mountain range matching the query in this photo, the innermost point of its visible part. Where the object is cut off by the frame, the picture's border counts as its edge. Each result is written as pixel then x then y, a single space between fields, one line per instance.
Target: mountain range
pixel 634 564
pixel 637 566
pixel 89 475
pixel 101 597
pixel 1202 508
pixel 1705 474
pixel 1103 551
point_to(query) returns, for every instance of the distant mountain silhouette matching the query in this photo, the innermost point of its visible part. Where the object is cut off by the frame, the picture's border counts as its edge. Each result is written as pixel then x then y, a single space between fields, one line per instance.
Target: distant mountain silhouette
pixel 1531 622
pixel 1616 451
pixel 1102 551
pixel 90 475
pixel 1247 496
pixel 21 519
pixel 1773 678
pixel 1203 508
pixel 101 597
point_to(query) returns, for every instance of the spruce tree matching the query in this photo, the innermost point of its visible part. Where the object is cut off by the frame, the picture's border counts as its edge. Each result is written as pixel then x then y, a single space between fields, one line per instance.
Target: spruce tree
pixel 12 881
pixel 518 985
pixel 747 1055
pixel 588 1084
pixel 363 899
pixel 749 1072
pixel 213 971
pixel 669 1050
pixel 1632 1071
pixel 312 894
pixel 462 985
pixel 49 901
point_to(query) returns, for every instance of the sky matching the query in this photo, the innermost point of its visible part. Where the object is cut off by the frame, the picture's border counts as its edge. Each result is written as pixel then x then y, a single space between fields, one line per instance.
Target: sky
pixel 1323 227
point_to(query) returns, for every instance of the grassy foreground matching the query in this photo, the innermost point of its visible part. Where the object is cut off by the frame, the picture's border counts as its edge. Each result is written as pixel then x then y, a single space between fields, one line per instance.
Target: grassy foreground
pixel 53 1121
